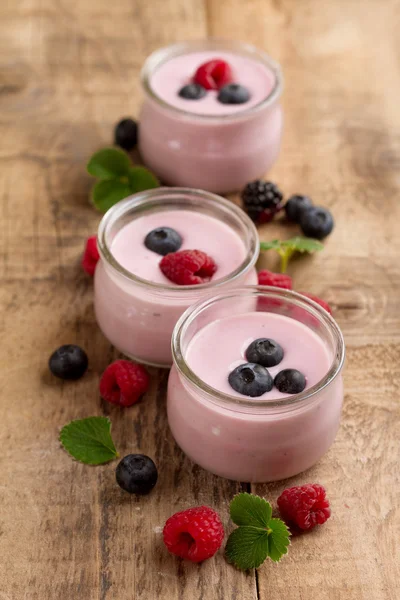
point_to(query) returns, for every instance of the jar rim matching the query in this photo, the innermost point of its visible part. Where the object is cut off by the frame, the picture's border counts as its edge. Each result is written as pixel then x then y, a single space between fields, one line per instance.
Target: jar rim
pixel 160 56
pixel 165 197
pixel 235 402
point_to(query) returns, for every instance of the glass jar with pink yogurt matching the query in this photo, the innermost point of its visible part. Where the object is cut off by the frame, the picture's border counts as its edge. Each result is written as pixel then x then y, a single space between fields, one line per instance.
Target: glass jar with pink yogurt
pixel 274 435
pixel 204 143
pixel 136 306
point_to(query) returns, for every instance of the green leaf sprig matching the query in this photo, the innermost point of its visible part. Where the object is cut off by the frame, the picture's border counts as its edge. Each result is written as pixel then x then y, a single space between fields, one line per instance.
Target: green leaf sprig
pixel 258 535
pixel 89 440
pixel 287 248
pixel 118 178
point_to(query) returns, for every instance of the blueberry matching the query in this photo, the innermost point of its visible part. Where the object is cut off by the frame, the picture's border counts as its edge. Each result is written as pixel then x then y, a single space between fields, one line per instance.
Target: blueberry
pixel 265 352
pixel 126 134
pixel 316 222
pixel 250 379
pixel 295 206
pixel 192 91
pixel 163 240
pixel 136 474
pixel 68 362
pixel 290 381
pixel 233 93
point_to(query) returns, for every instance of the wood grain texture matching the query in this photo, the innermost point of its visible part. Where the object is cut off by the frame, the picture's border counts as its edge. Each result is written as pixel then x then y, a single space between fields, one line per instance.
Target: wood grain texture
pixel 68 72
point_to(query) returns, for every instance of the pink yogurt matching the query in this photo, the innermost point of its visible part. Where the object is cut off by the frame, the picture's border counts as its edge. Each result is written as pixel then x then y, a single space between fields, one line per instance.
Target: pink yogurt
pixel 204 143
pixel 172 75
pixel 198 231
pixel 273 436
pixel 136 306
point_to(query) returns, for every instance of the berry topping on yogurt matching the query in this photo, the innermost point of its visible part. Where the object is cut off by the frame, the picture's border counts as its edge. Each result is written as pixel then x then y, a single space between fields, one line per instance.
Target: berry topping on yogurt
pixel 188 267
pixel 233 93
pixel 163 240
pixel 213 74
pixel 251 379
pixel 192 91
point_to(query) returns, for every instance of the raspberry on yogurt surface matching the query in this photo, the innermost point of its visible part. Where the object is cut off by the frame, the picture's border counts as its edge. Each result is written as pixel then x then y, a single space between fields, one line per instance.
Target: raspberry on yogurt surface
pixel 188 267
pixel 213 74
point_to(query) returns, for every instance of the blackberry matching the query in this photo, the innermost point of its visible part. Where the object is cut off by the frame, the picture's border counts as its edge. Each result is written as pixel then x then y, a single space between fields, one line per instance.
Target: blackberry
pixel 262 200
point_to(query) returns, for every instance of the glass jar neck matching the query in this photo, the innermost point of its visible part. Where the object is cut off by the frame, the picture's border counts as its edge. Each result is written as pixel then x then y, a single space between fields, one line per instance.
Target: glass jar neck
pixel 162 55
pixel 164 199
pixel 226 303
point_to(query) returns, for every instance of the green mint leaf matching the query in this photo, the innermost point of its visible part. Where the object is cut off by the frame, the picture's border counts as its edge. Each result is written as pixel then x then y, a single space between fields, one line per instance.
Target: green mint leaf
pixel 109 163
pixel 89 440
pixel 249 509
pixel 141 179
pixel 278 539
pixel 108 192
pixel 272 245
pixel 303 244
pixel 287 248
pixel 247 547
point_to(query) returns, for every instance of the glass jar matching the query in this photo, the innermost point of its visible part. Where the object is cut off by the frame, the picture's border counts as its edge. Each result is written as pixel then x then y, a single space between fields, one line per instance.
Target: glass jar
pixel 219 153
pixel 248 439
pixel 138 316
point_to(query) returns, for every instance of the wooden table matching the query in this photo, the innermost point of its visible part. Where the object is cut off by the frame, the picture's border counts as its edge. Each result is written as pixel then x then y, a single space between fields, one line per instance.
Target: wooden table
pixel 68 72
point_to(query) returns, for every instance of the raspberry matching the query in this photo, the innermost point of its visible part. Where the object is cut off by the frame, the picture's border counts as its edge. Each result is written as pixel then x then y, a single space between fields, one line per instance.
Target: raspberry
pixel 262 200
pixel 90 256
pixel 322 303
pixel 214 74
pixel 188 267
pixel 194 534
pixel 305 506
pixel 123 383
pixel 275 279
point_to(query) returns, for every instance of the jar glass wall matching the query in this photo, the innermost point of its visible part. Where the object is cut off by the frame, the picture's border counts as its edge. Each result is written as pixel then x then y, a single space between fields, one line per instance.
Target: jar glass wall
pixel 248 439
pixel 219 153
pixel 138 316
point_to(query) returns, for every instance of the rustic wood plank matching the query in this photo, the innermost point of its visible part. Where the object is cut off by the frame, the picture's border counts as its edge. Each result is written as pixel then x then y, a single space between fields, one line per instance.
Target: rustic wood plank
pixel 342 145
pixel 68 71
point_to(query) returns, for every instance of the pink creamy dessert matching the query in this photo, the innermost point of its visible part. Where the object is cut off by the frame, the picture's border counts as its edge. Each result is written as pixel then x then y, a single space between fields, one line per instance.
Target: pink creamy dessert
pixel 198 231
pixel 272 436
pixel 136 306
pixel 203 142
pixel 230 336
pixel 172 75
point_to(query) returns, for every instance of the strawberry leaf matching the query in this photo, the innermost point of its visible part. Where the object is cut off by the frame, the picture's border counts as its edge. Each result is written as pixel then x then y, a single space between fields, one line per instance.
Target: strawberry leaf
pixel 89 440
pixel 258 536
pixel 250 510
pixel 247 547
pixel 278 539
